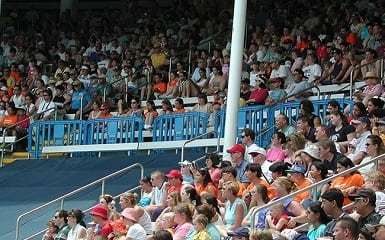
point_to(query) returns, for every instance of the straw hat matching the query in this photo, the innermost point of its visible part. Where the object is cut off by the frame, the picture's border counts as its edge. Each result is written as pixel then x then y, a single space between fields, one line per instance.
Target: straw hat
pixel 370 75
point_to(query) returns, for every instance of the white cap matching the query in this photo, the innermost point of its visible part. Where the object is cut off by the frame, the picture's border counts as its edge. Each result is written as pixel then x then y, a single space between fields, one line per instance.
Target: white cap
pixel 256 149
pixel 185 163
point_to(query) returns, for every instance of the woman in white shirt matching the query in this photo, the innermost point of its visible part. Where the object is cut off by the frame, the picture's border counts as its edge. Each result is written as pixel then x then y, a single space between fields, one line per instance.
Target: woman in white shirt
pixel 135 231
pixel 76 224
pixel 128 200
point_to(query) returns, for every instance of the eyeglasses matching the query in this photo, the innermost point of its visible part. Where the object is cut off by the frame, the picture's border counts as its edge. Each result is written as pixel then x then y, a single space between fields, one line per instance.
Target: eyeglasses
pixel 358 199
pixel 133 102
pixel 368 144
pixel 70 216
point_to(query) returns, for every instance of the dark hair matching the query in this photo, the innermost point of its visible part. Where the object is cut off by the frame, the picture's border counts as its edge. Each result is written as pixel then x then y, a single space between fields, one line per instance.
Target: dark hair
pixel 304 119
pixel 350 224
pixel 315 207
pixel 212 201
pixel 162 235
pixel 206 176
pixel 307 106
pixel 255 168
pixel 193 196
pixel 230 170
pixel 63 214
pixel 152 104
pixel 146 179
pixel 250 133
pixel 334 104
pixel 362 108
pixel 79 215
pixel 214 158
pixel 345 162
pixel 48 91
pixel 377 102
pixel 168 104
pixel 367 235
pixel 225 164
pixel 341 115
pixel 179 100
pixel 320 166
pixel 327 143
pixel 281 136
pixel 203 96
pixel 334 194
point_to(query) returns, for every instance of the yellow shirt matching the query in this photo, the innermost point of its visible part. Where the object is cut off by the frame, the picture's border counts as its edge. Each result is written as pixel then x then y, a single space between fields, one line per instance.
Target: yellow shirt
pixel 158 59
pixel 202 235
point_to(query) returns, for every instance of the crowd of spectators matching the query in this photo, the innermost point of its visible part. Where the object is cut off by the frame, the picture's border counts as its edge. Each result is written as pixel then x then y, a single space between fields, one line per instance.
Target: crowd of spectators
pixel 290 45
pixel 50 61
pixel 217 201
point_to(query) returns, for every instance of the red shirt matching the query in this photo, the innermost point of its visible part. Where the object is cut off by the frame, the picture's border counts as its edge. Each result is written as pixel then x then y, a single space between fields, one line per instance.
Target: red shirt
pixel 259 95
pixel 105 230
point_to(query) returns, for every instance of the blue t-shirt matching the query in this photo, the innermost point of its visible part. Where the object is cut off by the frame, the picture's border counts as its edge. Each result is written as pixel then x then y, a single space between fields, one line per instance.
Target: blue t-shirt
pixel 75 102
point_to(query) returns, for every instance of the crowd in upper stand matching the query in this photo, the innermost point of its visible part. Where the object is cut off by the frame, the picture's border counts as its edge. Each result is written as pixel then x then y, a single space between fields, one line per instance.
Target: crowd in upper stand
pixel 50 61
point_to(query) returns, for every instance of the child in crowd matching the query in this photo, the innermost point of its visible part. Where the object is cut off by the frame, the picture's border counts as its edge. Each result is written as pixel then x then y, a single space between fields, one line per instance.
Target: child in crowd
pixel 200 222
pixel 277 219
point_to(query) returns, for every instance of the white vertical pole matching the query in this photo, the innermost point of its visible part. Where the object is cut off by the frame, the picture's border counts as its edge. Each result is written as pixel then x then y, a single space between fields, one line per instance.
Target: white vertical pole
pixel 237 44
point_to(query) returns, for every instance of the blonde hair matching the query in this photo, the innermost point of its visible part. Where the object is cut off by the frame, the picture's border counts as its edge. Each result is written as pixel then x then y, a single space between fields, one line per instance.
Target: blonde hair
pixel 202 219
pixel 130 197
pixel 176 199
pixel 233 186
pixel 378 178
pixel 261 235
pixel 286 183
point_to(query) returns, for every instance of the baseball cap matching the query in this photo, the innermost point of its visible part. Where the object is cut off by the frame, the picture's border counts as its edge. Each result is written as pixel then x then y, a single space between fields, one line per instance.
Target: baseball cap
pixel 237 148
pixel 361 120
pixel 256 149
pixel 297 169
pixel 239 232
pixel 174 174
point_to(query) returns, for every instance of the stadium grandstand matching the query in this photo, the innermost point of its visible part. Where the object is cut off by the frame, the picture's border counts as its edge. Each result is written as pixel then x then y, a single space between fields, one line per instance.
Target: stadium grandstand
pixel 198 120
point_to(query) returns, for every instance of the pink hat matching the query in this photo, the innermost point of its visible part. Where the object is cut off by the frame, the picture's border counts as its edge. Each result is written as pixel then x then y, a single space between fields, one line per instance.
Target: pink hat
pixel 129 214
pixel 99 210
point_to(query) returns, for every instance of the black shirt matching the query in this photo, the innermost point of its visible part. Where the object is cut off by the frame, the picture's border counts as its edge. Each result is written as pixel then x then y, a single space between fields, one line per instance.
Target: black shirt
pixel 342 134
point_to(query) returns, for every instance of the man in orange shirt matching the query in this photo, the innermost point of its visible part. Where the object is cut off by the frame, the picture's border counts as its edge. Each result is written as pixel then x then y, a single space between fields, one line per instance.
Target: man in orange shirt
pixel 297 175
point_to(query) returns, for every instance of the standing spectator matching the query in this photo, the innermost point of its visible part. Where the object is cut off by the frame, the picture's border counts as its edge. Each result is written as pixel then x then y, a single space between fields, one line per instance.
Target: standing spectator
pixel 150 114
